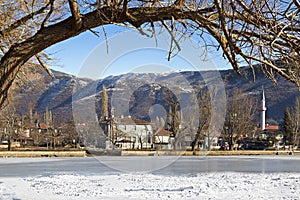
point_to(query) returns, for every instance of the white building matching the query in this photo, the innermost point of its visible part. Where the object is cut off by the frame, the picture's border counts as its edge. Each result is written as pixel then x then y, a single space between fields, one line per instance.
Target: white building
pixel 130 133
pixel 211 143
pixel 162 139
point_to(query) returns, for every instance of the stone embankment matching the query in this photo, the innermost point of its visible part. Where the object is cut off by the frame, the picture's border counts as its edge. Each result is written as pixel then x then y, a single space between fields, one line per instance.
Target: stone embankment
pixel 188 153
pixel 80 153
pixel 83 153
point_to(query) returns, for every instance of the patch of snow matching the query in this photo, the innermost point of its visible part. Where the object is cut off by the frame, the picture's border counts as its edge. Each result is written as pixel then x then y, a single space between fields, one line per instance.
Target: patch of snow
pixel 54 82
pixel 87 98
pixel 82 83
pixel 150 186
pixel 115 89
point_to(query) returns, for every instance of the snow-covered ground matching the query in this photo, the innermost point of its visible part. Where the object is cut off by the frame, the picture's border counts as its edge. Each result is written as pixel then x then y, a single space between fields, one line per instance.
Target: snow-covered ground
pixel 213 185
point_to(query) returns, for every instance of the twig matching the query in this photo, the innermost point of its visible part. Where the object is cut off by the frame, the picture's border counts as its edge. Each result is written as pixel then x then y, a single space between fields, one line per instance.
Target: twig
pixel 173 39
pixel 48 70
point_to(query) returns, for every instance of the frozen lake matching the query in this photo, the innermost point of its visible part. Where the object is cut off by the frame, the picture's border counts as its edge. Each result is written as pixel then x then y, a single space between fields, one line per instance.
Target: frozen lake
pixel 240 177
pixel 22 167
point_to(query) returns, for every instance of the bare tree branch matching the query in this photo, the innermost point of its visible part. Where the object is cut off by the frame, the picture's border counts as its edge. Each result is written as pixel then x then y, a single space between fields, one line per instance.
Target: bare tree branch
pixel 265 32
pixel 75 13
pixel 22 20
pixel 44 66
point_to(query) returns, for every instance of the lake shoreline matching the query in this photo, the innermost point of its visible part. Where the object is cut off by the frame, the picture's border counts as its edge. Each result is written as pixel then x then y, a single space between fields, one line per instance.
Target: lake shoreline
pixel 84 153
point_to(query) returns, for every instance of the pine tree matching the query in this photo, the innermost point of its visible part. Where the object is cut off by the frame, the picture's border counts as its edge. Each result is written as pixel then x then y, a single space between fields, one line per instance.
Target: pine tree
pixel 288 126
pixel 104 105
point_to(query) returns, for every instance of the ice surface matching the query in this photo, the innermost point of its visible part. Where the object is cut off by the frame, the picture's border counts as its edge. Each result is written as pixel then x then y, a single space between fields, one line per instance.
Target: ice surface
pixel 248 177
pixel 214 185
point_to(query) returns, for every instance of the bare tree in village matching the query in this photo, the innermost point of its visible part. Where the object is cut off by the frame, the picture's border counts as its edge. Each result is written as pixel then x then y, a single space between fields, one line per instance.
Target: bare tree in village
pixel 51 131
pixel 190 120
pixel 291 124
pixel 239 117
pixel 264 32
pixel 9 124
pixel 204 117
pixel 296 120
pixel 173 118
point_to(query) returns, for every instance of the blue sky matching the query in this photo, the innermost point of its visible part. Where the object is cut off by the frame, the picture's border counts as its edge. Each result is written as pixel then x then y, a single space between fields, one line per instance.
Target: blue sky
pixel 86 55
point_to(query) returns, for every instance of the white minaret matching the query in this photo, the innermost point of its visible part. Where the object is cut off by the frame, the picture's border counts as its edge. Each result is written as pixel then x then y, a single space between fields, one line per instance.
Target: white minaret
pixel 263 111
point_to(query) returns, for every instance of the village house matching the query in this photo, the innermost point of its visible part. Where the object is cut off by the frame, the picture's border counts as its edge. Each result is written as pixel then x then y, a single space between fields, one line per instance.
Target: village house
pixel 271 133
pixel 162 139
pixel 129 133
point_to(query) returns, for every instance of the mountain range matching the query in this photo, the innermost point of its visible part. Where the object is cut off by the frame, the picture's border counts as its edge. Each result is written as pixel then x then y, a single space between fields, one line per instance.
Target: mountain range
pixel 140 94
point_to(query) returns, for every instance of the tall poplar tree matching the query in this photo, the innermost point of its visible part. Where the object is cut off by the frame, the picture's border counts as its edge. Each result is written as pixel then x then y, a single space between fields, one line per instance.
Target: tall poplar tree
pixel 204 102
pixel 104 104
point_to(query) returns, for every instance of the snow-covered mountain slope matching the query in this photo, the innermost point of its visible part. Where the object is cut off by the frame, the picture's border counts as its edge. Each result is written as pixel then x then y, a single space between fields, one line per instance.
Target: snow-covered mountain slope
pixel 135 93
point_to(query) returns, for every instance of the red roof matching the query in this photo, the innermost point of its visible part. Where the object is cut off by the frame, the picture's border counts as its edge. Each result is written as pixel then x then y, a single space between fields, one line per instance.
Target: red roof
pixel 43 126
pixel 270 128
pixel 162 132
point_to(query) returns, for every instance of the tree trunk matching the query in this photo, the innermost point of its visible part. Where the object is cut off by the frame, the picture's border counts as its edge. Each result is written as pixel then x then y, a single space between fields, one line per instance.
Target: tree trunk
pixel 8 145
pixel 195 142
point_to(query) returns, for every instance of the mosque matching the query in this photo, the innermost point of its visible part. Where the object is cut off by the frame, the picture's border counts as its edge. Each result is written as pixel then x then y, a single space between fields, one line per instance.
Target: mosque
pixel 266 130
